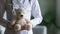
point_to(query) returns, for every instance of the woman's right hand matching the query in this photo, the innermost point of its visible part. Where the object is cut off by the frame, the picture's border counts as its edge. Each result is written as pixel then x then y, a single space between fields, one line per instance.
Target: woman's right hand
pixel 9 26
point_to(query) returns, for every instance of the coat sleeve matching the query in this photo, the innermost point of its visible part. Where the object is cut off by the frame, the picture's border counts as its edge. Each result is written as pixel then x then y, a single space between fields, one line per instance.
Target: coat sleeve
pixel 8 9
pixel 36 13
pixel 3 22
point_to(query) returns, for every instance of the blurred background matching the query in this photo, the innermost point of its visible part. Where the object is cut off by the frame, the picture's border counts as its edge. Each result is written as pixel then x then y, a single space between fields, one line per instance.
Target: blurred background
pixel 50 10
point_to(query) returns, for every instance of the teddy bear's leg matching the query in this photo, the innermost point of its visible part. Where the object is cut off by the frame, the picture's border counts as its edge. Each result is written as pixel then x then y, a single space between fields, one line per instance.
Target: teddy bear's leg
pixel 17 27
pixel 27 27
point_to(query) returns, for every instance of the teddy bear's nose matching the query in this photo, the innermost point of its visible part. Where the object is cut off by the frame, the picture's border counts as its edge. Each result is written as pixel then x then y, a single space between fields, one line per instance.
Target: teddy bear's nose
pixel 21 15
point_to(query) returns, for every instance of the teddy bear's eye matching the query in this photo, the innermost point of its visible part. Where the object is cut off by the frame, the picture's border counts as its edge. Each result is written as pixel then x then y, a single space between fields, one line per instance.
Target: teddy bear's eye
pixel 19 12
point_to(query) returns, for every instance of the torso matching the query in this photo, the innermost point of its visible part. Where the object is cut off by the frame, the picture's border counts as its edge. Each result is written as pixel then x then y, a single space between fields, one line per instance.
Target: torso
pixel 27 15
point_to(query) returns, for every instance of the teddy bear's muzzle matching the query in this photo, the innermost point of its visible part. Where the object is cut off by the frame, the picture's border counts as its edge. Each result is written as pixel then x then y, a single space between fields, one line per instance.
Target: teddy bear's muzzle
pixel 21 15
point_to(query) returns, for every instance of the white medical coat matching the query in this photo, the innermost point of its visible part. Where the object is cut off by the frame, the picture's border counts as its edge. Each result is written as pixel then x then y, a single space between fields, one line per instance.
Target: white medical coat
pixel 34 10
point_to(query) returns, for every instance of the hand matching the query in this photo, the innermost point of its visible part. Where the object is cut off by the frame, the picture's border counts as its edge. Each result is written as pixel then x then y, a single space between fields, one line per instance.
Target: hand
pixel 9 26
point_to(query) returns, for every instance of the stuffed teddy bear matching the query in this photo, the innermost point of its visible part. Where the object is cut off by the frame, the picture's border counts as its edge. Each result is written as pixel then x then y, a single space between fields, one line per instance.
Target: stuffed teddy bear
pixel 19 22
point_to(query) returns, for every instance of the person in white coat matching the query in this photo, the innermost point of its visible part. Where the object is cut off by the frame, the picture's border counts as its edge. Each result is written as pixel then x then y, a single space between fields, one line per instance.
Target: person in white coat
pixel 34 10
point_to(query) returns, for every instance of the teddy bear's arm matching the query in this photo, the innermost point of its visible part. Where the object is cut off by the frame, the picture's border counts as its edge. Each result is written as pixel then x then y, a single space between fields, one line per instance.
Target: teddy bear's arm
pixel 13 21
pixel 27 21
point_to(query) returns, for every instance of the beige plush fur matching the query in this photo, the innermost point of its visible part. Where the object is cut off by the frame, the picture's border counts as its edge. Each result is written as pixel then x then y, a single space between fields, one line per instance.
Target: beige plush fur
pixel 19 22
